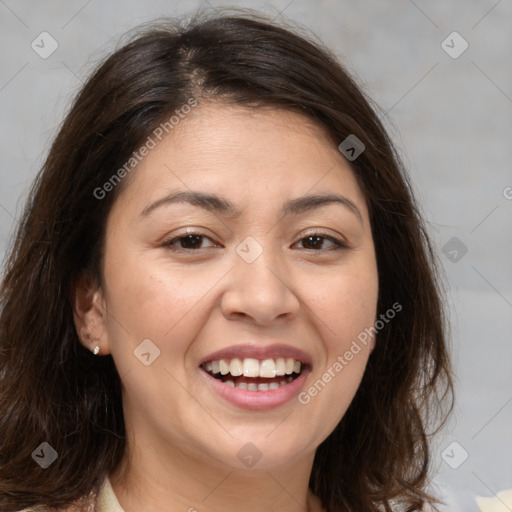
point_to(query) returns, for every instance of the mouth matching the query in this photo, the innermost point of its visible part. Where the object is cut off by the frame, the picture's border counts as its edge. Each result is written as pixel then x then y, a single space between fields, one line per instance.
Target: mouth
pixel 256 375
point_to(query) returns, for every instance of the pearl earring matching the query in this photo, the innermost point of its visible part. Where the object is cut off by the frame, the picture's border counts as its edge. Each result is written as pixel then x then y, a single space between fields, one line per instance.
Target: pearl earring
pixel 88 338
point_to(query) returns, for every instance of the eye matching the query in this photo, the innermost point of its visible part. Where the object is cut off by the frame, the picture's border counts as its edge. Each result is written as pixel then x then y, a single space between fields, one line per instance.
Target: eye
pixel 316 240
pixel 188 242
pixel 191 242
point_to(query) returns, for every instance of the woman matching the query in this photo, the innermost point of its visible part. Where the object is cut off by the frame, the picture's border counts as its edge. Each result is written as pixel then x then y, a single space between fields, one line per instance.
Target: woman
pixel 221 295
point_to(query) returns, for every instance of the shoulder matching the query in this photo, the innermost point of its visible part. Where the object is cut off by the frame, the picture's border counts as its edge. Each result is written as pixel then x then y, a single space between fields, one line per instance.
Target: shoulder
pixel 44 508
pixel 35 508
pixel 396 507
pixel 95 501
pixel 82 505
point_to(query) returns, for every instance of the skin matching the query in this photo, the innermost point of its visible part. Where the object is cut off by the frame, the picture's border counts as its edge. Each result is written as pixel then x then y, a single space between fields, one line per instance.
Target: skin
pixel 182 438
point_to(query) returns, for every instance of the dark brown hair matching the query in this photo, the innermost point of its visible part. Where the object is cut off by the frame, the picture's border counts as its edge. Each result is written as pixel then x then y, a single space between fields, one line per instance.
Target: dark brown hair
pixel 52 389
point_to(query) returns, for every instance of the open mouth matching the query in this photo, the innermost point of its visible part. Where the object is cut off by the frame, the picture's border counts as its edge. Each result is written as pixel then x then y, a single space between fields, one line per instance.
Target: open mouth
pixel 255 375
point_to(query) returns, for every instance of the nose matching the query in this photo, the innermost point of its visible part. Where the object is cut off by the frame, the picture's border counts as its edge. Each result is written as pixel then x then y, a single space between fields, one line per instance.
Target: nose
pixel 261 291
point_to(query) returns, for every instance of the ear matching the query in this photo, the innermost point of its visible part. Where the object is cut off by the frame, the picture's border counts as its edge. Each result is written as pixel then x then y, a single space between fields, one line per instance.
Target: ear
pixel 89 313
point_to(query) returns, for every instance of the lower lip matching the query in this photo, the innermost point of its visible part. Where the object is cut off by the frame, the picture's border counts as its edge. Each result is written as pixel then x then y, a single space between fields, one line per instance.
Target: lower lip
pixel 257 400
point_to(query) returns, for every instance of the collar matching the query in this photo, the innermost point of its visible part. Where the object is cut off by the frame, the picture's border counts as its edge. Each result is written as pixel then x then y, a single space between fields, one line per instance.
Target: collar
pixel 107 501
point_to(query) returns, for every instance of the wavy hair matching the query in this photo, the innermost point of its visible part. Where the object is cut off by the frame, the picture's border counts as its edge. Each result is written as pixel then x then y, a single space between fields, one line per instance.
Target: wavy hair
pixel 53 389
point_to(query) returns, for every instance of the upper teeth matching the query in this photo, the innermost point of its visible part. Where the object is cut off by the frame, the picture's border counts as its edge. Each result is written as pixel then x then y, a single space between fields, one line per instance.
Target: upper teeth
pixel 250 367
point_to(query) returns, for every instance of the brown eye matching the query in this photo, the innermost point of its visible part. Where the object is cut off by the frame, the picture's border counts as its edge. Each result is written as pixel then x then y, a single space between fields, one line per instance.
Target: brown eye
pixel 188 242
pixel 315 242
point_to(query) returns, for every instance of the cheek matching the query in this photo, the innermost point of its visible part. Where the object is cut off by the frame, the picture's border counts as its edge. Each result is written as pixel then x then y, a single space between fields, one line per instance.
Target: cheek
pixel 342 315
pixel 346 303
pixel 154 299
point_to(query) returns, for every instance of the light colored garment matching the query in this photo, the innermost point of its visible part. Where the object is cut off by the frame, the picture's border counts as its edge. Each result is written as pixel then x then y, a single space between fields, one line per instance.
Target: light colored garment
pixel 106 502
pixel 502 502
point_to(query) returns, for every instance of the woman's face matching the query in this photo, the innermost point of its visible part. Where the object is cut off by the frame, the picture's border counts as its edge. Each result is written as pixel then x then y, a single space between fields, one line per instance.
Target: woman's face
pixel 248 270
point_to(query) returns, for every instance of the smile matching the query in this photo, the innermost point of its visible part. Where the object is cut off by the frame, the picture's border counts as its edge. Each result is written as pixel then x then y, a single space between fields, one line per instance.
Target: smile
pixel 256 384
pixel 254 375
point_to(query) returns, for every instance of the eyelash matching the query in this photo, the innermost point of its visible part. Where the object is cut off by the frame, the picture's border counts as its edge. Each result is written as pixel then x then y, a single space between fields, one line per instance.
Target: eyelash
pixel 170 244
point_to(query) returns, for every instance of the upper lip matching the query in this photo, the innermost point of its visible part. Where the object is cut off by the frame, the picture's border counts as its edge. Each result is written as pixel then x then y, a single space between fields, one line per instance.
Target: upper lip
pixel 258 352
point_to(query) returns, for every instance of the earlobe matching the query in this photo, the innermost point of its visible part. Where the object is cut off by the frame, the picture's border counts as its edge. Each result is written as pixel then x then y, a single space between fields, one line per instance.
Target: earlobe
pixel 89 315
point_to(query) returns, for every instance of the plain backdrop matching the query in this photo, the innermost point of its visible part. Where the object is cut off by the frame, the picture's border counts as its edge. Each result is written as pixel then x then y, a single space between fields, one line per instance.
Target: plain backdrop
pixel 448 112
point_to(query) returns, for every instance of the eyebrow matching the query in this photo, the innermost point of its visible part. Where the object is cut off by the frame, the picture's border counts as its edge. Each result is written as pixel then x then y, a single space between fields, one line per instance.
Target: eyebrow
pixel 216 204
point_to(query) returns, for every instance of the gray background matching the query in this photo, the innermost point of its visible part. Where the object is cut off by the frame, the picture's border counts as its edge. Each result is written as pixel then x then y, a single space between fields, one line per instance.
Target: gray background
pixel 450 117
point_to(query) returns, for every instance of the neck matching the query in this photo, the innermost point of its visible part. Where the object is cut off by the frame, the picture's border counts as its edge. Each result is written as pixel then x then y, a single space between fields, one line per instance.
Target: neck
pixel 146 480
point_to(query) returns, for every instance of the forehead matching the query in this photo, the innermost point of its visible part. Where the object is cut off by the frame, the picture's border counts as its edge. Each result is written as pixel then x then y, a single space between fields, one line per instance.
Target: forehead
pixel 245 154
